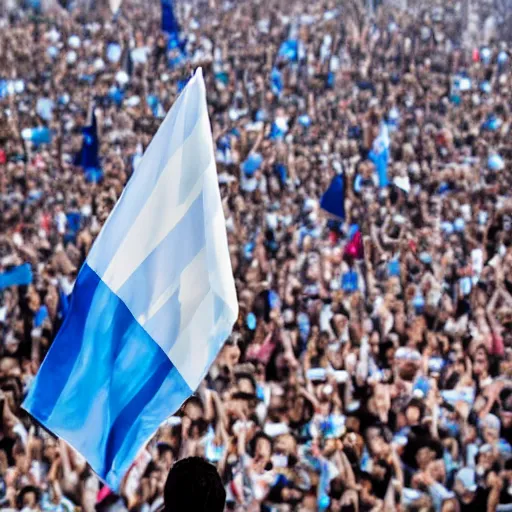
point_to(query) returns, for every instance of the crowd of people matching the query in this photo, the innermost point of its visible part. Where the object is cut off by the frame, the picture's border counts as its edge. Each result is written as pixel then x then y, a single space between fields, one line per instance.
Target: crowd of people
pixel 371 365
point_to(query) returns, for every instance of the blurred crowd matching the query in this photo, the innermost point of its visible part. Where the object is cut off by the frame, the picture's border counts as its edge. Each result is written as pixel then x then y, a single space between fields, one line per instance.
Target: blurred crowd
pixel 371 365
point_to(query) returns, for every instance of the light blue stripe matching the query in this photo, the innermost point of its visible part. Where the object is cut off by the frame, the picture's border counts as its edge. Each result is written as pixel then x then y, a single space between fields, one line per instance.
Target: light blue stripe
pixel 164 266
pixel 105 386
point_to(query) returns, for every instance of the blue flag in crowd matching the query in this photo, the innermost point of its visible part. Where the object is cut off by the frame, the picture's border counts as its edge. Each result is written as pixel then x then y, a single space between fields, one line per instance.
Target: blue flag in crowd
pixel 170 23
pixel 74 221
pixel 350 281
pixel 252 164
pixel 492 123
pixel 38 135
pixel 333 200
pixel 34 4
pixel 176 45
pixel 323 500
pixel 394 268
pixel 276 81
pixel 4 90
pixel 279 129
pixel 153 103
pixel 40 316
pixel 289 50
pixel 116 95
pixel 379 155
pixel 89 158
pixel 152 305
pixel 182 84
pixel 16 276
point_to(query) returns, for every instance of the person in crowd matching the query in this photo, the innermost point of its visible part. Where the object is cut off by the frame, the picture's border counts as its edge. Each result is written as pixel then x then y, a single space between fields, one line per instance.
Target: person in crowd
pixel 194 484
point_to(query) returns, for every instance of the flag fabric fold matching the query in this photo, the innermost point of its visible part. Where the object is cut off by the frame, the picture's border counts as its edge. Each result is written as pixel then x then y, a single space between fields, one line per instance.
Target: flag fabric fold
pixel 152 305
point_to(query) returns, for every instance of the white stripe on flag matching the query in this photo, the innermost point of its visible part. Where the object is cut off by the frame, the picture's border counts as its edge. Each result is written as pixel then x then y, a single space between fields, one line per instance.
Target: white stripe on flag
pixel 162 211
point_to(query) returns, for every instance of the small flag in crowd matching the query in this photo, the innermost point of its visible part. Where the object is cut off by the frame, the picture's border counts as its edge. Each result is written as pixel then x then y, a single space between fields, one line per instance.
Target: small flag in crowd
pixel 354 248
pixel 379 155
pixel 176 45
pixel 350 281
pixel 152 305
pixel 16 276
pixel 170 23
pixel 88 158
pixel 276 81
pixel 333 200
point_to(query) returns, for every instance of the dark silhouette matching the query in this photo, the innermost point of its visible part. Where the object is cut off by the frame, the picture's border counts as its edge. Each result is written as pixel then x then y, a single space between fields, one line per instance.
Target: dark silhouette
pixel 194 484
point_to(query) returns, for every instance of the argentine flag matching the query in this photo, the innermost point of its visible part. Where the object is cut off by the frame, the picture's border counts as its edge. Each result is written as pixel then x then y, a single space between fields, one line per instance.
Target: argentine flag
pixel 152 305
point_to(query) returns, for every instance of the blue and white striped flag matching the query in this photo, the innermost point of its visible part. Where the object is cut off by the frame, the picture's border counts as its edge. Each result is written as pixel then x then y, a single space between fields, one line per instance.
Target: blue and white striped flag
pixel 152 305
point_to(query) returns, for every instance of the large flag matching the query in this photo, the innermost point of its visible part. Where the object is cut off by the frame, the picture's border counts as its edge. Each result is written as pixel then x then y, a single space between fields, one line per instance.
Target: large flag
pixel 333 199
pixel 379 155
pixel 16 276
pixel 152 305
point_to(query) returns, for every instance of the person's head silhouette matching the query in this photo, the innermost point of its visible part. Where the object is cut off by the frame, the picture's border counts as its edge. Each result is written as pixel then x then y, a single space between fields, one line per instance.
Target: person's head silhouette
pixel 194 484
